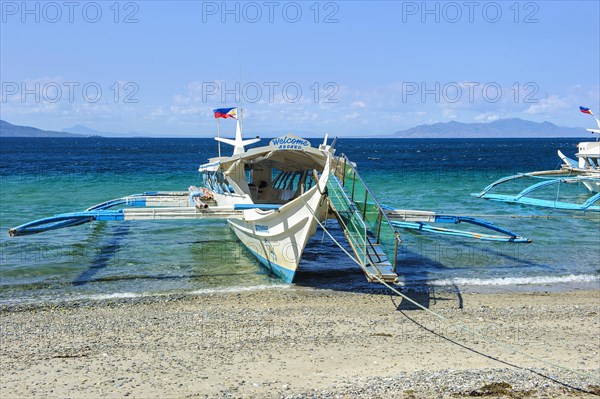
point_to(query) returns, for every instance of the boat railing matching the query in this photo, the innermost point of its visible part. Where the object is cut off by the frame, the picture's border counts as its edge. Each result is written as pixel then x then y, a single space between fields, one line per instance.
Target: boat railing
pixel 372 213
pixel 354 227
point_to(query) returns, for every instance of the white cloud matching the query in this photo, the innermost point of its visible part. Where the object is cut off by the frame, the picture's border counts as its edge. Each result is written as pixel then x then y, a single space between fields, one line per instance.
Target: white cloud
pixel 186 110
pixel 449 113
pixel 487 117
pixel 158 112
pixel 549 105
pixel 352 116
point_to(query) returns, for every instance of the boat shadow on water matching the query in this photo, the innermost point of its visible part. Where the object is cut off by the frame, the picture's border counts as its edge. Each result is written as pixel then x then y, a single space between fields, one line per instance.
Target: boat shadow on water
pixel 105 254
pixel 322 268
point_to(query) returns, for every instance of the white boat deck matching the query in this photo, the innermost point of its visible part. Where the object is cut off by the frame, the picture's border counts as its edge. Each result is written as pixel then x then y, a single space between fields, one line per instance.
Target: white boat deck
pixel 179 213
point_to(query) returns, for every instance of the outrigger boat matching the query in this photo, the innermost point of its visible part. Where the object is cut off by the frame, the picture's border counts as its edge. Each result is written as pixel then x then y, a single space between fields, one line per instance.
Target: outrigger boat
pixel 274 197
pixel 584 171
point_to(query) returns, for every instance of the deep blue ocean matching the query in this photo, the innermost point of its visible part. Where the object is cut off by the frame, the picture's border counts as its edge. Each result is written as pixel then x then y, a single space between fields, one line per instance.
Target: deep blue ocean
pixel 42 177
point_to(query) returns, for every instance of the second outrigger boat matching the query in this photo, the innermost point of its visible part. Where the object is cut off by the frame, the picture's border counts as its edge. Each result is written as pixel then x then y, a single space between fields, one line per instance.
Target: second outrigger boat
pixel 585 171
pixel 274 198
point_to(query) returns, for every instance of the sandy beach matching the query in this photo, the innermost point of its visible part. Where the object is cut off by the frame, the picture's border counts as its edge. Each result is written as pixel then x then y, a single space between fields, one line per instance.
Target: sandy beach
pixel 303 342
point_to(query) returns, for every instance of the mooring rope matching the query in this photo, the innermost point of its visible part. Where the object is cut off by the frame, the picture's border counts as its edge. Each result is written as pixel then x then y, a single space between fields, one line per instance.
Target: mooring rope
pixel 445 319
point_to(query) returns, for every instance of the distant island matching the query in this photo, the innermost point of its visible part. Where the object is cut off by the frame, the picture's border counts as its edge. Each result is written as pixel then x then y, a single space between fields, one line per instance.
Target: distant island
pixel 89 132
pixel 502 128
pixel 82 131
pixel 10 130
pixel 78 131
pixel 508 128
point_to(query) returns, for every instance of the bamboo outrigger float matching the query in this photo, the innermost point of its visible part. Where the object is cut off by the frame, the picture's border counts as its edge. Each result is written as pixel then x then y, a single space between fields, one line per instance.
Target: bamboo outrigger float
pixel 585 171
pixel 274 197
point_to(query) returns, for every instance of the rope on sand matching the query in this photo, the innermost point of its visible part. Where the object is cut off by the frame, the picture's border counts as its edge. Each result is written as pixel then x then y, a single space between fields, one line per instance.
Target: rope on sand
pixel 458 325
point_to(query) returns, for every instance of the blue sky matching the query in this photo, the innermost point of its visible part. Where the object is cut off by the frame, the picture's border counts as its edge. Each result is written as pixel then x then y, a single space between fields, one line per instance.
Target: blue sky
pixel 343 67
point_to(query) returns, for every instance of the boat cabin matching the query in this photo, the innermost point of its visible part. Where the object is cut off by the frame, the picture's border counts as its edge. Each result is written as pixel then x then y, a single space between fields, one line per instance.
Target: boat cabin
pixel 274 174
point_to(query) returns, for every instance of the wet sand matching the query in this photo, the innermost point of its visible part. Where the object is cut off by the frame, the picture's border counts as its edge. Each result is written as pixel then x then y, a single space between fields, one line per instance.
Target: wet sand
pixel 304 342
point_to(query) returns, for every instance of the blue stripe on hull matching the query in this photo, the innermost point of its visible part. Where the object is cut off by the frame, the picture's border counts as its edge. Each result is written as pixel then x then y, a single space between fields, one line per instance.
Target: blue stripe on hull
pixel 286 275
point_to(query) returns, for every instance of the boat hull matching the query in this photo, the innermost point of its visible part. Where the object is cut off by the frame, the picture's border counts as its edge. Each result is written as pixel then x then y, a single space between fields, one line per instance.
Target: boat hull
pixel 277 238
pixel 592 186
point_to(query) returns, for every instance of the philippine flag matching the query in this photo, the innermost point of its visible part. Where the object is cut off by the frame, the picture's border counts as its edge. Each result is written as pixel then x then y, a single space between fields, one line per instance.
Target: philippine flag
pixel 225 113
pixel 585 110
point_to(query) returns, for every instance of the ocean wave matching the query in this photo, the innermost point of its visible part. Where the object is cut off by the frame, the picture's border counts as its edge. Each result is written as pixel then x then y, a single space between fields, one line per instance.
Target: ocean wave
pixel 100 297
pixel 127 295
pixel 203 291
pixel 506 281
pixel 239 289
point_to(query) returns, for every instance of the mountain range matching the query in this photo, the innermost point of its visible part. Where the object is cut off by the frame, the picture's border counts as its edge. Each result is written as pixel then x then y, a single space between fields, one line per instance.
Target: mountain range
pixel 513 127
pixel 10 130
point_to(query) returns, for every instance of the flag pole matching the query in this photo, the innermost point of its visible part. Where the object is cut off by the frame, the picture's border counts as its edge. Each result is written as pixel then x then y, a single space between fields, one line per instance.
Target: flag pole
pixel 241 119
pixel 219 136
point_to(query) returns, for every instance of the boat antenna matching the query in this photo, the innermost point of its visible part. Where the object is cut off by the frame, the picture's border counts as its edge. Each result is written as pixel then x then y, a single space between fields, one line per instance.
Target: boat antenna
pixel 219 136
pixel 241 120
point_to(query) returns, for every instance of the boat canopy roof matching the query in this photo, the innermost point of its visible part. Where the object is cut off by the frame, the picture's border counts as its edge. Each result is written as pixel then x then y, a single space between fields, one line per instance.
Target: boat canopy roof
pixel 288 153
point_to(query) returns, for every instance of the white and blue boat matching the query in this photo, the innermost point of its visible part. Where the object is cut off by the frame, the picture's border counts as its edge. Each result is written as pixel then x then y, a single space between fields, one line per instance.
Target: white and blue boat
pixel 274 198
pixel 585 171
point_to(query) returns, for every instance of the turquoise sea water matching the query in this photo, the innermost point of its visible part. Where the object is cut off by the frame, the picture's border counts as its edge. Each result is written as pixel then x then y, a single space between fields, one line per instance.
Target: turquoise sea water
pixel 42 177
